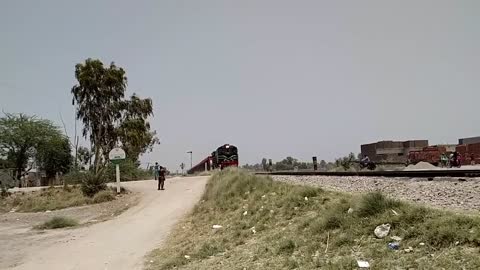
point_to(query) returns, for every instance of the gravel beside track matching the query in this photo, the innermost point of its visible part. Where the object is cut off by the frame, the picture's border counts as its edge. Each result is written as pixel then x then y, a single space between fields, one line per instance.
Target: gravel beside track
pixel 444 193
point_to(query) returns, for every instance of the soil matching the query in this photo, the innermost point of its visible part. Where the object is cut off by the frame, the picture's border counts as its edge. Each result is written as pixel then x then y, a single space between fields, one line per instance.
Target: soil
pixel 110 236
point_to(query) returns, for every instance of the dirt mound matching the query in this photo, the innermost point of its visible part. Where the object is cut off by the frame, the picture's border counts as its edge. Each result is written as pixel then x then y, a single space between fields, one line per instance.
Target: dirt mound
pixel 420 166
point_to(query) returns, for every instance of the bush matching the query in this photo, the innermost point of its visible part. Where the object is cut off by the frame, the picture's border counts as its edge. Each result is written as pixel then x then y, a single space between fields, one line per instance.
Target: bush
pixel 207 250
pixel 445 231
pixel 4 192
pixel 93 183
pixel 103 196
pixel 129 171
pixel 286 247
pixel 73 177
pixel 57 222
pixel 375 203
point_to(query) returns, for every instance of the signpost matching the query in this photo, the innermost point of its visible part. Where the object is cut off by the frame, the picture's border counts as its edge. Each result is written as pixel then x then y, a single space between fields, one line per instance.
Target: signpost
pixel 116 156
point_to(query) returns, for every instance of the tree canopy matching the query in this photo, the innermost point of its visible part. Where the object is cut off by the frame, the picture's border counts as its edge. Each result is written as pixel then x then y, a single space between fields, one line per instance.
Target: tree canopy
pixel 25 139
pixel 109 119
pixel 54 155
pixel 84 156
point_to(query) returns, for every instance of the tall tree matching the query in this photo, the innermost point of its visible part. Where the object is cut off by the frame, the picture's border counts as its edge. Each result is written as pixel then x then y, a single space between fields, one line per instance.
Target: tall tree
pixel 109 119
pixel 21 137
pixel 323 164
pixel 134 132
pixel 98 94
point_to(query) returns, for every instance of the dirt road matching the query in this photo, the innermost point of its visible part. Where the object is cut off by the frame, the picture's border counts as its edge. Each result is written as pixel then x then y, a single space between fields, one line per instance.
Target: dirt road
pixel 120 243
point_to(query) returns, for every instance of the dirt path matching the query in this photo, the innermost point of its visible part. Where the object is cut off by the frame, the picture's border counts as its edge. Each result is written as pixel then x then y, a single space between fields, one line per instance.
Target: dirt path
pixel 120 243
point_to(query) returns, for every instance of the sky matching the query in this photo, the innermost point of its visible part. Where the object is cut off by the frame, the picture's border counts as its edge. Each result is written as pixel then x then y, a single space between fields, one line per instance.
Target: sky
pixel 275 78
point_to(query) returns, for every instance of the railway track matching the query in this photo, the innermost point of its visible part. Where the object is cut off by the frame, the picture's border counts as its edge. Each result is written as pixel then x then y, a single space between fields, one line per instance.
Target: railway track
pixel 409 174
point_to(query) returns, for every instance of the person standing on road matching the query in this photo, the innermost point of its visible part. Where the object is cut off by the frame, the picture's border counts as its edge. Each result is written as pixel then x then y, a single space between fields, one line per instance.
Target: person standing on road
pixel 161 178
pixel 156 170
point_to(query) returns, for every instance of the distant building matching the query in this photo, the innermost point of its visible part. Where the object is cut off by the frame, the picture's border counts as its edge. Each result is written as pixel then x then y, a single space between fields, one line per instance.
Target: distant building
pixel 392 151
pixel 448 147
pixel 470 140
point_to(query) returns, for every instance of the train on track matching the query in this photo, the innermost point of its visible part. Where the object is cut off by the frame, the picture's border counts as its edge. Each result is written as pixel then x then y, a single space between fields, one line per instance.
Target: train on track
pixel 223 157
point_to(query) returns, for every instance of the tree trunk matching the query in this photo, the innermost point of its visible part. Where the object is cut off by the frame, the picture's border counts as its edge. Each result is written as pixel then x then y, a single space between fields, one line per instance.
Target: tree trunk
pixel 96 163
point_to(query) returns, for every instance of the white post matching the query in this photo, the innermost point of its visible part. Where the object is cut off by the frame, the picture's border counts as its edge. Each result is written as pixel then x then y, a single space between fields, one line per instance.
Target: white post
pixel 117 170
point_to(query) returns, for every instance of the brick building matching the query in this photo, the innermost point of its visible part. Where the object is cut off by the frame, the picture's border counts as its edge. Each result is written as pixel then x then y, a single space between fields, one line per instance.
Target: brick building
pixel 470 140
pixel 392 151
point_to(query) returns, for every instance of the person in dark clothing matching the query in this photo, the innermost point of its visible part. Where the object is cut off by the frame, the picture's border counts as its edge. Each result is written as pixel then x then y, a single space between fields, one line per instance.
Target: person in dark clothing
pixel 161 177
pixel 156 170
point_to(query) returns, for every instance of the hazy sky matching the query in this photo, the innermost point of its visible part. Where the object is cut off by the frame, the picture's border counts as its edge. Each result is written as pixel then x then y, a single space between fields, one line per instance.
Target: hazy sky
pixel 275 78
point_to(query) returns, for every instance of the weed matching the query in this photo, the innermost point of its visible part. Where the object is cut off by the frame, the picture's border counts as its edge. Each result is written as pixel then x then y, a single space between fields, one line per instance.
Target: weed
pixel 103 196
pixel 93 183
pixel 329 222
pixel 286 247
pixel 4 191
pixel 375 203
pixel 291 264
pixel 207 250
pixel 343 240
pixel 309 192
pixel 57 222
pixel 446 231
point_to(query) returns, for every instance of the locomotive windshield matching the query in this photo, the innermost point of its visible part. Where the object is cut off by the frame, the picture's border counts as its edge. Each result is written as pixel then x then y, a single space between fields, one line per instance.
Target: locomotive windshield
pixel 227 150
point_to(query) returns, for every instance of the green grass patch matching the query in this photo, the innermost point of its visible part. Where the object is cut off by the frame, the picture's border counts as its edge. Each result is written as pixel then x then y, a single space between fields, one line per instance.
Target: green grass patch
pixel 57 223
pixel 52 199
pixel 273 225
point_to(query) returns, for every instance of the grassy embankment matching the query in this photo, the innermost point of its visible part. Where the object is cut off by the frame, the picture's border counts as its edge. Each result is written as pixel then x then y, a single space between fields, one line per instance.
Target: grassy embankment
pixel 271 225
pixel 52 199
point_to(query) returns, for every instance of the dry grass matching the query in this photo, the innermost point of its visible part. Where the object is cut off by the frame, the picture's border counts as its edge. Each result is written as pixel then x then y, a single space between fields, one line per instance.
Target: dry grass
pixel 270 225
pixel 52 199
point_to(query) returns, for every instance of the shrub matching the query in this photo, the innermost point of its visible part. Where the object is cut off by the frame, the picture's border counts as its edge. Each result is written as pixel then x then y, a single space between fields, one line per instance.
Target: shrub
pixel 331 220
pixel 73 177
pixel 375 203
pixel 310 192
pixel 445 231
pixel 103 196
pixel 129 171
pixel 207 250
pixel 93 183
pixel 57 222
pixel 286 247
pixel 4 192
pixel 290 263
